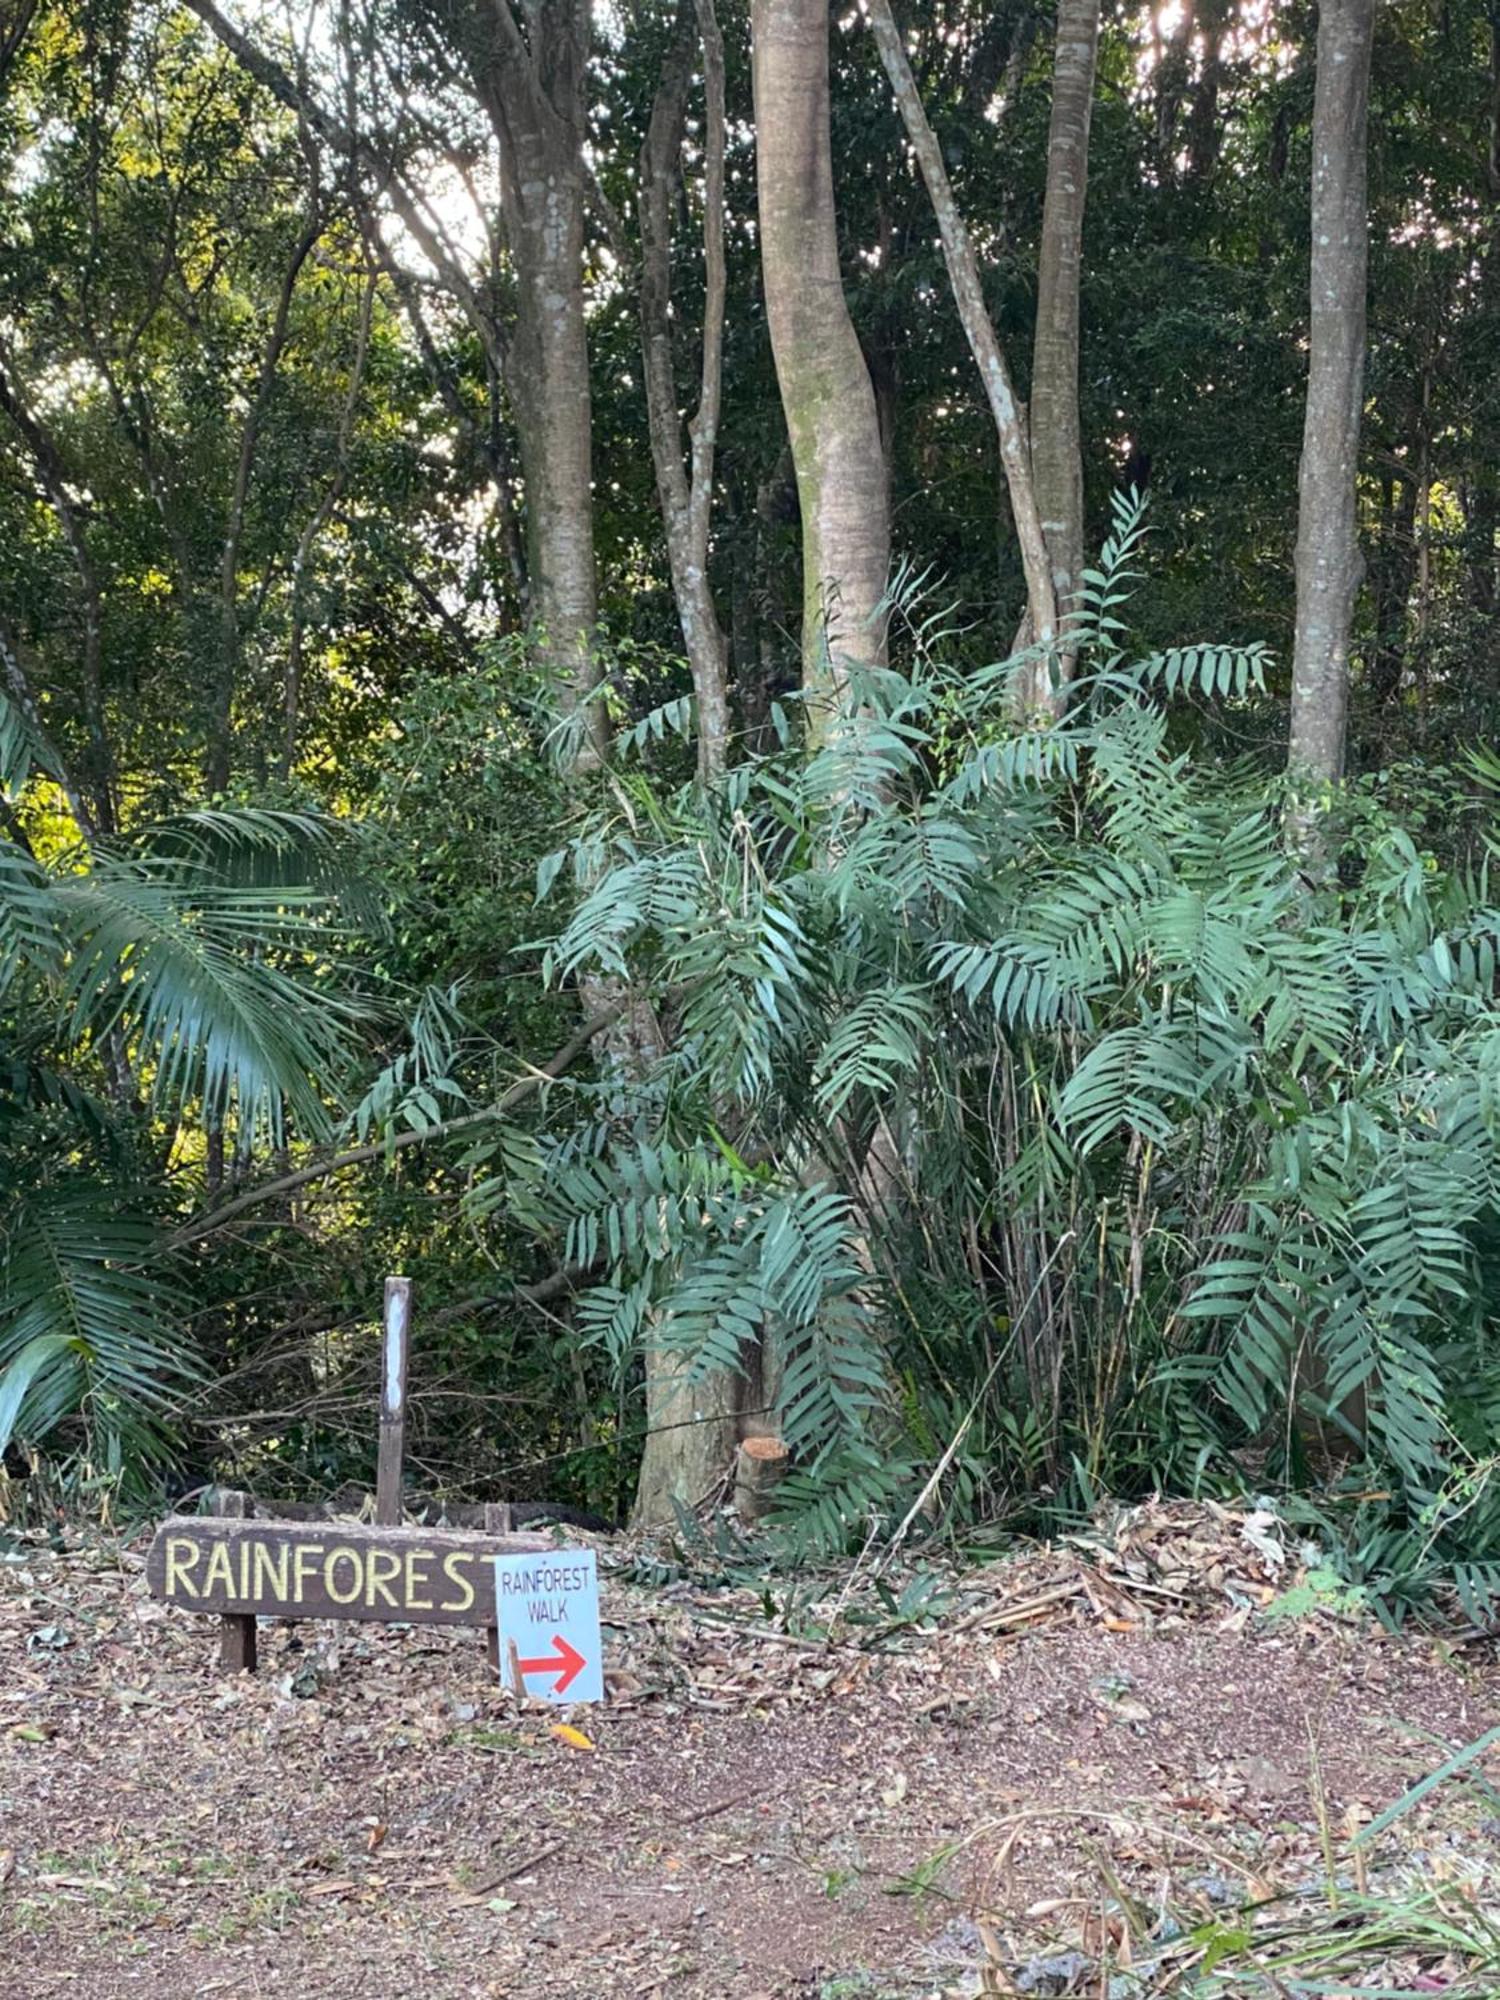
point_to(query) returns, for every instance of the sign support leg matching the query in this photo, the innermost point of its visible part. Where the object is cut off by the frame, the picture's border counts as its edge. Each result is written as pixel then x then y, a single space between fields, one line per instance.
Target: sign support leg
pixel 496 1522
pixel 237 1650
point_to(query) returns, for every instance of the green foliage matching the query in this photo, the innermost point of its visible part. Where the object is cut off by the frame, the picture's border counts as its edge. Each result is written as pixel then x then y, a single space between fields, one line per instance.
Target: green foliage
pixel 1018 1098
pixel 1039 1079
pixel 150 989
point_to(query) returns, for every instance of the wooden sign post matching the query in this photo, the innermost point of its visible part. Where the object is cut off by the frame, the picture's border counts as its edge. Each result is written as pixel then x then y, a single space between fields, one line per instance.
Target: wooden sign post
pixel 237 1628
pixel 240 1567
pixel 396 1339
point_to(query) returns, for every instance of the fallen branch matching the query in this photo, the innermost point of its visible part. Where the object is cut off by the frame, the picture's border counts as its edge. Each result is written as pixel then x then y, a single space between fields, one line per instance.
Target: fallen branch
pixel 358 1156
pixel 516 1868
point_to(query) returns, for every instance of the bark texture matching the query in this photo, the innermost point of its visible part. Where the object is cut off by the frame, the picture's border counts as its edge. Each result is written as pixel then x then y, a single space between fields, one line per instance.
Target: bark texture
pixel 686 490
pixel 692 1431
pixel 1036 690
pixel 1056 437
pixel 825 386
pixel 1328 559
pixel 534 91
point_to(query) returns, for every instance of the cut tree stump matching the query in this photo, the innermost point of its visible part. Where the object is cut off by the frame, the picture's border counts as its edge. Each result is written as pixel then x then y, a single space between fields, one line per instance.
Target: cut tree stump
pixel 759 1468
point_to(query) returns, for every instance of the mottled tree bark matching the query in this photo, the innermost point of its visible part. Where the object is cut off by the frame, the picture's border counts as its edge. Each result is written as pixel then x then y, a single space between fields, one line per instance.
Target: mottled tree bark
pixel 692 1429
pixel 1035 691
pixel 686 491
pixel 1328 559
pixel 534 89
pixel 1056 435
pixel 825 386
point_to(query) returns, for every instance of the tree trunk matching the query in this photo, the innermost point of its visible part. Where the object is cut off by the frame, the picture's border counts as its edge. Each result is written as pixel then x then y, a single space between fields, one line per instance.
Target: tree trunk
pixel 1328 559
pixel 686 492
pixel 487 442
pixel 226 671
pixel 291 696
pixel 692 1430
pixel 836 455
pixel 759 1468
pixel 532 87
pixel 1056 435
pixel 691 1426
pixel 1393 572
pixel 825 385
pixel 1482 512
pixel 1035 690
pixel 535 97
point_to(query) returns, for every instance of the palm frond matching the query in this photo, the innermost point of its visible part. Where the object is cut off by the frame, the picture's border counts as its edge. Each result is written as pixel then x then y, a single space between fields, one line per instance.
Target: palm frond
pixel 86 1316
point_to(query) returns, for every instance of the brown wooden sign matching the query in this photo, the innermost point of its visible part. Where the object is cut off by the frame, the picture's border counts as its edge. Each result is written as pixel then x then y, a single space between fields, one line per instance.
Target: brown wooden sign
pixel 330 1569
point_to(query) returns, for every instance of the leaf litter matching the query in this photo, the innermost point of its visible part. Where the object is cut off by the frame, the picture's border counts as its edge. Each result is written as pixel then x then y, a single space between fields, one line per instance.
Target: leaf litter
pixel 1106 1762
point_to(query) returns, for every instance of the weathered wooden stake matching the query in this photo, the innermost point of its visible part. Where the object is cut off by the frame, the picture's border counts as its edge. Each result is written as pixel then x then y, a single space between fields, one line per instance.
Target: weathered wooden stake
pixel 236 1629
pixel 496 1522
pixel 392 1401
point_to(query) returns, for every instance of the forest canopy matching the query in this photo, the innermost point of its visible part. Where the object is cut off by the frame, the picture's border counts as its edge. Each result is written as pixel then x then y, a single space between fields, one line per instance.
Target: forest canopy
pixel 799 704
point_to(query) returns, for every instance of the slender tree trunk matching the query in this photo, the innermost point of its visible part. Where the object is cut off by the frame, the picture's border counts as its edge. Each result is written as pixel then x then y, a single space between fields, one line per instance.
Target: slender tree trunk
pixel 1480 523
pixel 1394 571
pixel 1205 128
pixel 1482 512
pixel 686 492
pixel 692 1426
pixel 550 379
pixel 836 455
pixel 1035 692
pixel 1328 559
pixel 487 443
pixel 100 778
pixel 825 385
pixel 226 666
pixel 532 87
pixel 317 522
pixel 535 97
pixel 1423 519
pixel 1056 433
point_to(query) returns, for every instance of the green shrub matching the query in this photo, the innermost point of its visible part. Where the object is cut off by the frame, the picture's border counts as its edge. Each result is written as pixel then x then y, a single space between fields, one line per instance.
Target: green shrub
pixel 1024 1097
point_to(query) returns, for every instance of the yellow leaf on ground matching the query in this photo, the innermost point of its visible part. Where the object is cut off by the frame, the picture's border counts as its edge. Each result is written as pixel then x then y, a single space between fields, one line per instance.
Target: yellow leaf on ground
pixel 574 1738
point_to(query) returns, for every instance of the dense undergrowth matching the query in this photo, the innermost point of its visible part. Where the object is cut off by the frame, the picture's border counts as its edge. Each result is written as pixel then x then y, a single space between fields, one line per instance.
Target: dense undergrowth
pixel 1027 1111
pixel 1059 1130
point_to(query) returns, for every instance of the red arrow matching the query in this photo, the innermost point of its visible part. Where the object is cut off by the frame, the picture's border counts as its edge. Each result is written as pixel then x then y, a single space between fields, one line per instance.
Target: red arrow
pixel 565 1661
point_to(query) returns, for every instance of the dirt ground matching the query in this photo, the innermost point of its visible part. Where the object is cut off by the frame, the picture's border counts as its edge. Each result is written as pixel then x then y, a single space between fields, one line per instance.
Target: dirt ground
pixel 760 1814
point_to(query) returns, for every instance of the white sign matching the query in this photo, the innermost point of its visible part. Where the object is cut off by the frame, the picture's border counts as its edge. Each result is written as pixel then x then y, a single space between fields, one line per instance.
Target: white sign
pixel 547 1611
